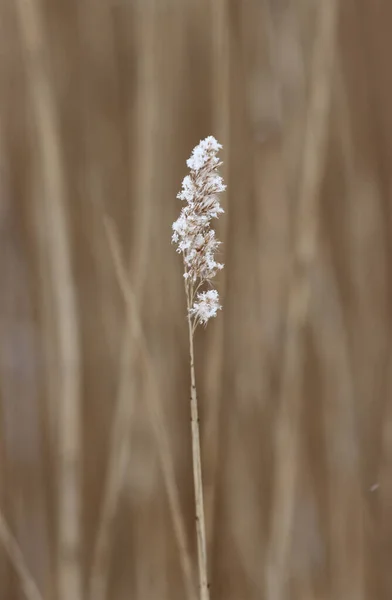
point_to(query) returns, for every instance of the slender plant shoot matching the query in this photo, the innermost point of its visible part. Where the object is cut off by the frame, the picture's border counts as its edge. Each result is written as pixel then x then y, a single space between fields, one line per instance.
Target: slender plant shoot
pixel 197 243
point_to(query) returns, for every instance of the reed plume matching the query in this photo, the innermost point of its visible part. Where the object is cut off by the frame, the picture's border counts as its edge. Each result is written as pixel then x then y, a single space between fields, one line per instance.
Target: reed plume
pixel 197 243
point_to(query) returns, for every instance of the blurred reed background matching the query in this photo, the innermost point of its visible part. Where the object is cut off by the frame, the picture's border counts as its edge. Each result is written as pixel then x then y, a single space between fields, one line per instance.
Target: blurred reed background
pixel 100 105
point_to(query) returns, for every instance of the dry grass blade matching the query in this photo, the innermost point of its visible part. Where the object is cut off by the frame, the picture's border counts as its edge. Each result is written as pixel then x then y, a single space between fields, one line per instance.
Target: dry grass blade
pixel 54 202
pixel 214 375
pixel 121 428
pixel 11 547
pixel 155 412
pixel 385 481
pixel 306 226
pixel 346 510
pixel 116 469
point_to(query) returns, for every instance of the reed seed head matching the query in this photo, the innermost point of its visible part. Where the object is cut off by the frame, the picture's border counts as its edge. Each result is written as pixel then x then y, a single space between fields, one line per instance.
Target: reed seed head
pixel 192 230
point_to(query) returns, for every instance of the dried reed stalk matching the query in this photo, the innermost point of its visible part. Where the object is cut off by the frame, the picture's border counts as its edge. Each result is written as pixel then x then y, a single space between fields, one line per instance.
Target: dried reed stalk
pixel 15 555
pixel 346 505
pixel 115 475
pixel 54 201
pixel 306 226
pixel 197 472
pixel 214 367
pixel 124 408
pixel 197 243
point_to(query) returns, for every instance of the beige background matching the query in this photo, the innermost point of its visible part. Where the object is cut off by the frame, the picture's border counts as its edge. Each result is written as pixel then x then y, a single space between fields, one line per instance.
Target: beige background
pixel 100 105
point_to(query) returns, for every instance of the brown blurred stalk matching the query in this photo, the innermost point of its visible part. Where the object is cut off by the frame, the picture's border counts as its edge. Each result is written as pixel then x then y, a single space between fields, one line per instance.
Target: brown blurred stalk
pixel 156 416
pixel 15 555
pixel 214 365
pixel 306 226
pixel 118 460
pixel 345 502
pixel 66 322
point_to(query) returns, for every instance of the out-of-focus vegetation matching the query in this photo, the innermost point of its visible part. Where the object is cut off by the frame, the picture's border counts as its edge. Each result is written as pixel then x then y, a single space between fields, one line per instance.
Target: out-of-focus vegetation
pixel 100 105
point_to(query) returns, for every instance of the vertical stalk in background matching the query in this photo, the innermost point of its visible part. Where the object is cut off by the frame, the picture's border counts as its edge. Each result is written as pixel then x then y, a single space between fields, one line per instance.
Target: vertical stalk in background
pixel 120 434
pixel 154 408
pixel 15 555
pixel 346 505
pixel 305 241
pixel 68 355
pixel 214 376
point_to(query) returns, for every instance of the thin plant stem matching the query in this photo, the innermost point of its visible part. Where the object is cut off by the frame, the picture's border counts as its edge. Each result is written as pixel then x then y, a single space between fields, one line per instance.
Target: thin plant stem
pixel 15 555
pixel 196 463
pixel 304 251
pixel 122 424
pixel 55 218
pixel 221 61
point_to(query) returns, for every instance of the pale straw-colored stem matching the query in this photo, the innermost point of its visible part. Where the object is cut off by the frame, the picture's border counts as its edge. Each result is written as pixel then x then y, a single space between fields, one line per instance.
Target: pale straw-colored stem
pixel 15 555
pixel 121 431
pixel 60 274
pixel 196 463
pixel 304 251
